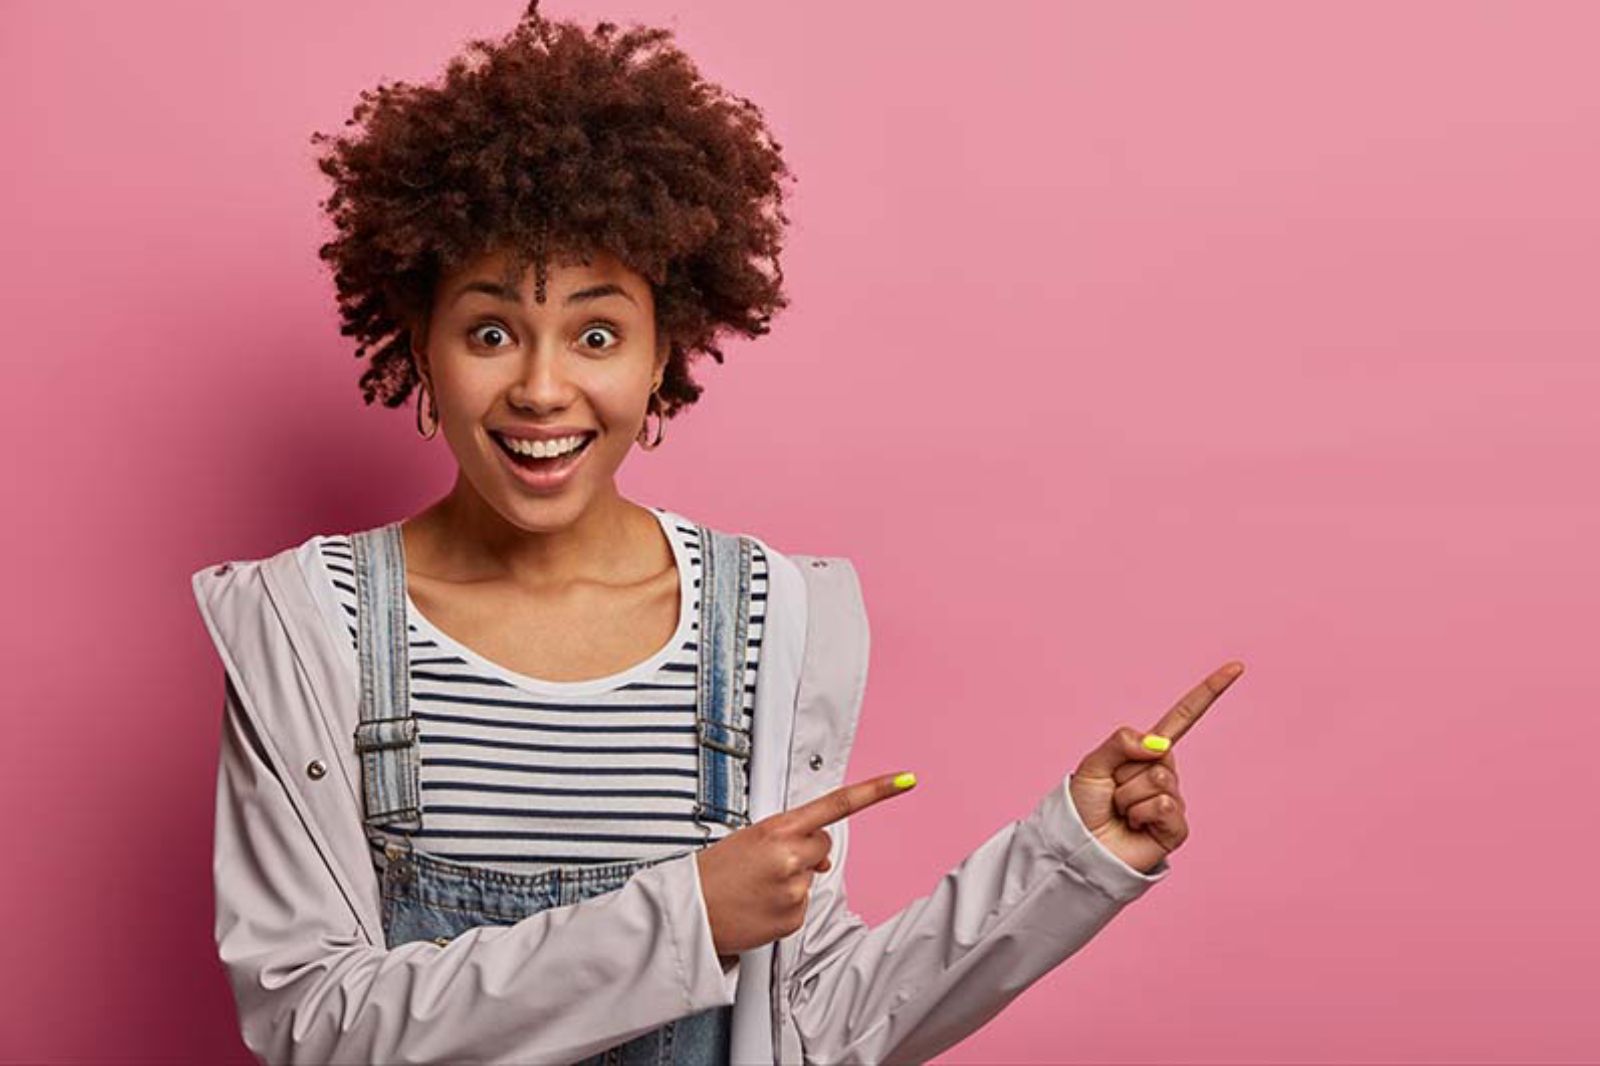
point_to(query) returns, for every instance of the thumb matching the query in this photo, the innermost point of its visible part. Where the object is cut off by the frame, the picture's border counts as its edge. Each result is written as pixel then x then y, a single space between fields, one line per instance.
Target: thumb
pixel 1125 744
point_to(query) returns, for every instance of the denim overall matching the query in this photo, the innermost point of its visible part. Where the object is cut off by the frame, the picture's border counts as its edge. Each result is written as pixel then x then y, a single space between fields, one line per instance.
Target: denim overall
pixel 428 897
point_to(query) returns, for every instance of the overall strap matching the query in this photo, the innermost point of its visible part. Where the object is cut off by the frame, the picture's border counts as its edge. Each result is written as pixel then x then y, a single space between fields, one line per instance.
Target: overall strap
pixel 724 793
pixel 386 737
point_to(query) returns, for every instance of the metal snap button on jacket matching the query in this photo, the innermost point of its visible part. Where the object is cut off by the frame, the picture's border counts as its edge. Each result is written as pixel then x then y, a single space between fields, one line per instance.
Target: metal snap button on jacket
pixel 816 762
pixel 316 768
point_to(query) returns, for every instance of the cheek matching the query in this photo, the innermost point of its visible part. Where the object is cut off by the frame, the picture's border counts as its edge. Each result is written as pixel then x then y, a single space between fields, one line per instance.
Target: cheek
pixel 620 398
pixel 470 396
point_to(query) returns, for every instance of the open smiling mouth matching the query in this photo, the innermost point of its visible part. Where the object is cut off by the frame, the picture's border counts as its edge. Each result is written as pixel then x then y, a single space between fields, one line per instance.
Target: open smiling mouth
pixel 548 465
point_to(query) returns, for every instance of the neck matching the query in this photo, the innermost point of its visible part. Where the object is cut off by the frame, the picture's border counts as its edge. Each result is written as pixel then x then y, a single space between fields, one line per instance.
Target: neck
pixel 462 538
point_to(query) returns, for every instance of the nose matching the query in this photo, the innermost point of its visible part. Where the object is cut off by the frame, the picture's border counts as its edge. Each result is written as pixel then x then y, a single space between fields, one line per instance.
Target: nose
pixel 544 381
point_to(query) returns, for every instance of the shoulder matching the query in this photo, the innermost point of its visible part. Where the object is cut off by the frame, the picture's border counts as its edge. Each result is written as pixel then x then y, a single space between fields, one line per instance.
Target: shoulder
pixel 776 556
pixel 222 574
pixel 819 587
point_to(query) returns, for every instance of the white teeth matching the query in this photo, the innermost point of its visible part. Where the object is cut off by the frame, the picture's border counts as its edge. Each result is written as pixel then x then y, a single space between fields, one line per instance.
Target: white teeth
pixel 542 449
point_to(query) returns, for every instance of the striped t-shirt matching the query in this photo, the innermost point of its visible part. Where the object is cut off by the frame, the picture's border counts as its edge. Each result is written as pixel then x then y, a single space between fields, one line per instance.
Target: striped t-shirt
pixel 520 773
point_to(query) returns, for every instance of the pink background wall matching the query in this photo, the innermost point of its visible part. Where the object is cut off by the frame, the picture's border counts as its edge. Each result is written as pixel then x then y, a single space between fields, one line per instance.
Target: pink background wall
pixel 1126 340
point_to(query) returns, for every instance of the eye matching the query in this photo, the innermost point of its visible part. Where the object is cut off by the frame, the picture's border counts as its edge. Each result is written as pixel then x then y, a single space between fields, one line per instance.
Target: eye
pixel 489 329
pixel 595 329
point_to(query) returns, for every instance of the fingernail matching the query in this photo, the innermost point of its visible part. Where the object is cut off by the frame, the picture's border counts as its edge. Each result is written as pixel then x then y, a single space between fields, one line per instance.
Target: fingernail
pixel 1156 742
pixel 905 780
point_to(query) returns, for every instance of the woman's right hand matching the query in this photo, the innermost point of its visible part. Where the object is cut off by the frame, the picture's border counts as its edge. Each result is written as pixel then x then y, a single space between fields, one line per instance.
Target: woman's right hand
pixel 757 880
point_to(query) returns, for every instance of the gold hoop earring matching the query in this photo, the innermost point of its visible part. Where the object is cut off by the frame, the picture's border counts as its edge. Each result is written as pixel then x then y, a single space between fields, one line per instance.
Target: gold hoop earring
pixel 423 394
pixel 661 427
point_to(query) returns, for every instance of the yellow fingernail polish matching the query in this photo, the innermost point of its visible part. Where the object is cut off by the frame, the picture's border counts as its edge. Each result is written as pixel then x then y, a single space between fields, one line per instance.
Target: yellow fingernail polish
pixel 905 780
pixel 1156 743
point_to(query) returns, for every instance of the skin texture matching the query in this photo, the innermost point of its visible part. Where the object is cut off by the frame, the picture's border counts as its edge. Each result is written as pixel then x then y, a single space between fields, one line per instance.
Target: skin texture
pixel 1127 795
pixel 493 362
pixel 757 880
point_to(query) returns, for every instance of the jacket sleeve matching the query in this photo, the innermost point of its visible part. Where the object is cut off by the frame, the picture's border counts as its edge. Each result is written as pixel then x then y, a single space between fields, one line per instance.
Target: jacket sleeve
pixel 556 986
pixel 923 980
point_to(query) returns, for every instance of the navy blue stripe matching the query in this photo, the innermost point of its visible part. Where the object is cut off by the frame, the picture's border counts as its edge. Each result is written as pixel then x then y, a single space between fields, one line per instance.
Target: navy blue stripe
pixel 453 699
pixel 595 771
pixel 526 812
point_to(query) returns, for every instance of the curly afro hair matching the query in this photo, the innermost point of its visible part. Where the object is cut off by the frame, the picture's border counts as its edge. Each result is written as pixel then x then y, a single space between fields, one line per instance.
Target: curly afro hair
pixel 551 141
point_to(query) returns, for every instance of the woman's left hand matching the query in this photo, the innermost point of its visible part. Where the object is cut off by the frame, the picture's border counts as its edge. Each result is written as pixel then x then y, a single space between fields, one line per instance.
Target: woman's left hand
pixel 1127 794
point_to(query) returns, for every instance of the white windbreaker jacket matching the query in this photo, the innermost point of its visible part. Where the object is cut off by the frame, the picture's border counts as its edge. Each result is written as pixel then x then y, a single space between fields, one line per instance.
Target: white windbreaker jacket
pixel 298 924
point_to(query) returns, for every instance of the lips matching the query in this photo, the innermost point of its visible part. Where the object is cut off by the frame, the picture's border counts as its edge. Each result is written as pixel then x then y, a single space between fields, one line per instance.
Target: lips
pixel 538 433
pixel 543 475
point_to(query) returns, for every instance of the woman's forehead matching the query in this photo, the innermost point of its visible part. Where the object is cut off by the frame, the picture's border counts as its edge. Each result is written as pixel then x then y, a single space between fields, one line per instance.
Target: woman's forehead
pixel 564 271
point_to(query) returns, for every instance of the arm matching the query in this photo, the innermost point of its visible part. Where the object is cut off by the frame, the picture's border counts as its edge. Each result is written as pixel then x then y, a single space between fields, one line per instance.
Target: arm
pixel 557 986
pixel 920 982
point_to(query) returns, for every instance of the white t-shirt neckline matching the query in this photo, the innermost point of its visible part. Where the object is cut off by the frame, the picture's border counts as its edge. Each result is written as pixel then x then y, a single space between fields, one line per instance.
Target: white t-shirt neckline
pixel 688 603
pixel 637 672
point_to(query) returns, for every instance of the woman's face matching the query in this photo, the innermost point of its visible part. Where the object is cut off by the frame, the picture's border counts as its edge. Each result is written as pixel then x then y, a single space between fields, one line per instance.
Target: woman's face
pixel 584 361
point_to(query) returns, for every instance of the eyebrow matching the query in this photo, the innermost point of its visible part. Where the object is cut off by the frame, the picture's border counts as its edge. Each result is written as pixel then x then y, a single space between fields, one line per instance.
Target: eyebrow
pixel 505 292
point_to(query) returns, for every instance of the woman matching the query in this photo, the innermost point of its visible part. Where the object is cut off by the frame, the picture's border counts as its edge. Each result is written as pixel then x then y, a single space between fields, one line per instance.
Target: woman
pixel 544 775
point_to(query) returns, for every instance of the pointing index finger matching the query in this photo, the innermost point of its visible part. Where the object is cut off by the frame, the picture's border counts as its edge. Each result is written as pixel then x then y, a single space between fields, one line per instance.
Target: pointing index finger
pixel 843 801
pixel 1187 711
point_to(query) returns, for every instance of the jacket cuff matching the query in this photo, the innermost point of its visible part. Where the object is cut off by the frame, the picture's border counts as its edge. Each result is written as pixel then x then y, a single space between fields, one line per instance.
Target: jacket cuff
pixel 1079 849
pixel 709 985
